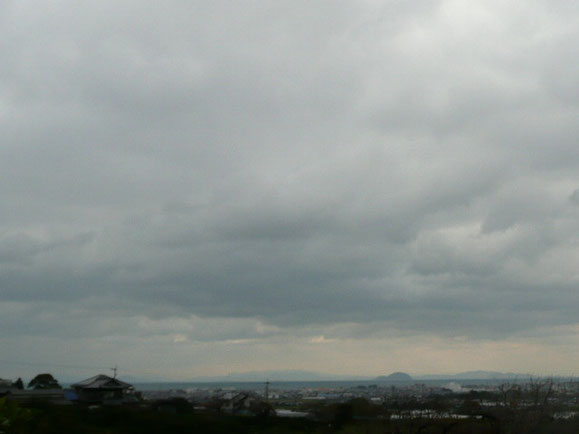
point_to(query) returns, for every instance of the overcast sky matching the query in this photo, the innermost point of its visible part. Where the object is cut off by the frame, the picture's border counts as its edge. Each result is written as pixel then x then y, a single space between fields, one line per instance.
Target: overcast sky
pixel 194 188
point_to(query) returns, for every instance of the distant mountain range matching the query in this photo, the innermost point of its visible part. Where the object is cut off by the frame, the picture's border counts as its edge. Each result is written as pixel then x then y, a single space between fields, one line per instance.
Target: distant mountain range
pixel 301 375
pixel 286 375
pixel 298 375
pixel 473 375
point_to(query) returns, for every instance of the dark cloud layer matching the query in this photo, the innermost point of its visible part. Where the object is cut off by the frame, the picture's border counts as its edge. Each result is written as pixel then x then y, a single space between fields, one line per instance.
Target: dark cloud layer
pixel 387 166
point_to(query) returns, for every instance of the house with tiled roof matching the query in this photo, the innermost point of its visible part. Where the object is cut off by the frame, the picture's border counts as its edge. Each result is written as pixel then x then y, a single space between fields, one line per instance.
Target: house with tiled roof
pixel 102 389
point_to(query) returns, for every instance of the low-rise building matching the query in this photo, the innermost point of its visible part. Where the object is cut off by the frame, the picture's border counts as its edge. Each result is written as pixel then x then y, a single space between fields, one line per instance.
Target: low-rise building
pixel 102 389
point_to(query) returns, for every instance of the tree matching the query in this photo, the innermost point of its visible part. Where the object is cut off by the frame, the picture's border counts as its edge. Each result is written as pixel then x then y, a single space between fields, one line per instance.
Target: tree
pixel 11 413
pixel 541 391
pixel 18 384
pixel 44 381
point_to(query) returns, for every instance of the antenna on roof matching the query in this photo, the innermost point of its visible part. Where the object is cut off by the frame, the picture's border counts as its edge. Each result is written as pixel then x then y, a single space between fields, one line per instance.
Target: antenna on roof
pixel 114 371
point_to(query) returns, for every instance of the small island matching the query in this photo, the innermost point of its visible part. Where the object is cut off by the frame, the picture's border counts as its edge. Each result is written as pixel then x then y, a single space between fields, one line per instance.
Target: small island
pixel 395 377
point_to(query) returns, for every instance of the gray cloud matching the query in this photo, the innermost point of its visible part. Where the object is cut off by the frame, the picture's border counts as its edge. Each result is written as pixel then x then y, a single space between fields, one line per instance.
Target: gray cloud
pixel 329 169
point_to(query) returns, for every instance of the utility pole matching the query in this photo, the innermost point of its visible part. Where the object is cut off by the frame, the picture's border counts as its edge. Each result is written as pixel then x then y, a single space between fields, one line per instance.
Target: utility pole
pixel 114 371
pixel 267 391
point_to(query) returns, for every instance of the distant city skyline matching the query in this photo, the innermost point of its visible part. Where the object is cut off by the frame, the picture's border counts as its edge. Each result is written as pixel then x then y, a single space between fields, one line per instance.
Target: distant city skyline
pixel 193 188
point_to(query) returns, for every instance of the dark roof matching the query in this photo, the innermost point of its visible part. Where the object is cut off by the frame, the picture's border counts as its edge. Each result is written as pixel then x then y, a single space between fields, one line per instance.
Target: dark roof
pixel 101 382
pixel 239 397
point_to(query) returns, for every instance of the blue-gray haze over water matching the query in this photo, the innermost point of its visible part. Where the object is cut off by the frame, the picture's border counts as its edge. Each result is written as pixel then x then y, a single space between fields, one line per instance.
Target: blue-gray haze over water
pixel 299 385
